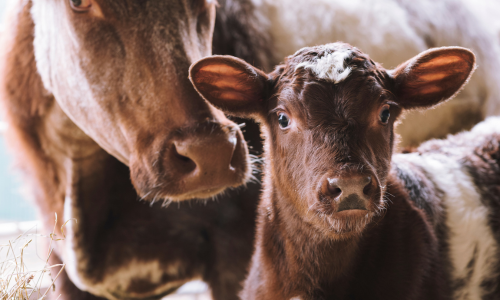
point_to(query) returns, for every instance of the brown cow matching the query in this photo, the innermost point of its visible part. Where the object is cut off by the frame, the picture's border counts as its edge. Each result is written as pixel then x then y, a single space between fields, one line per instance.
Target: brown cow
pixel 334 221
pixel 111 82
pixel 80 77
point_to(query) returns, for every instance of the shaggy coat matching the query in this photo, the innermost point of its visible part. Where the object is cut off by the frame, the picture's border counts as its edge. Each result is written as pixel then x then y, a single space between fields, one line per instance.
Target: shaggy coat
pixel 101 113
pixel 121 247
pixel 423 225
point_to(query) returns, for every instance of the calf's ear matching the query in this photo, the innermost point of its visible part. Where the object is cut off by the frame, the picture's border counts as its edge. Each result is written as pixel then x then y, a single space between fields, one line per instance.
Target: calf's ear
pixel 432 76
pixel 230 84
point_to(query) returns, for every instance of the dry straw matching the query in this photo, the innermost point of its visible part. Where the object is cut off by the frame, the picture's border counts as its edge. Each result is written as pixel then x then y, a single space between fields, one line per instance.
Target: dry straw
pixel 17 281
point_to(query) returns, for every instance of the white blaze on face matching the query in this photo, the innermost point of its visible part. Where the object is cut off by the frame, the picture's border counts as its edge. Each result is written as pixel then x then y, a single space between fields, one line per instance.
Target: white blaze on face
pixel 330 66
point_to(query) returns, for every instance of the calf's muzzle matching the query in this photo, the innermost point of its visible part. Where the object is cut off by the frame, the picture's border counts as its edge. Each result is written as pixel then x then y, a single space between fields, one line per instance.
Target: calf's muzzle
pixel 349 192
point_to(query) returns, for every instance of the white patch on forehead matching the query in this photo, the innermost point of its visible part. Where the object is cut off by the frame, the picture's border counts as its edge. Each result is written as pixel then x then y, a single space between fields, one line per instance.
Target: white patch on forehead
pixel 330 66
pixel 470 237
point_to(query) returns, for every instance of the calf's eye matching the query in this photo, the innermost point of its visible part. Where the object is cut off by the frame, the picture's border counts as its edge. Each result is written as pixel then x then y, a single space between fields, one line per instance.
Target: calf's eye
pixel 384 114
pixel 81 5
pixel 283 120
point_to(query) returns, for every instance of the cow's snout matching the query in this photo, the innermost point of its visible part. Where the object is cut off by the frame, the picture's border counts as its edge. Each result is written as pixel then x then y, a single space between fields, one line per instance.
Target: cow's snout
pixel 206 162
pixel 349 192
pixel 201 159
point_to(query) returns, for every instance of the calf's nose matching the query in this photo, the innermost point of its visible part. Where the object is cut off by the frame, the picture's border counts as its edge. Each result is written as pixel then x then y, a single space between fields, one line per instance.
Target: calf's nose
pixel 349 192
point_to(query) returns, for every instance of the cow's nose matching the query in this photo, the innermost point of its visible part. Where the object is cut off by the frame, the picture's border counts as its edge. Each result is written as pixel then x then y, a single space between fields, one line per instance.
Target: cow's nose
pixel 204 157
pixel 209 161
pixel 349 192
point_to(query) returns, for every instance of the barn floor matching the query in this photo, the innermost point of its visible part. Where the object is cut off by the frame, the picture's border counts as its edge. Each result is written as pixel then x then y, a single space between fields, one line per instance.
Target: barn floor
pixel 195 290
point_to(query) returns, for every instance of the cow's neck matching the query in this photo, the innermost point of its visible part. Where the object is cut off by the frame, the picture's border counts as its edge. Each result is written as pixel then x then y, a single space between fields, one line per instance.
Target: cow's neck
pixel 76 157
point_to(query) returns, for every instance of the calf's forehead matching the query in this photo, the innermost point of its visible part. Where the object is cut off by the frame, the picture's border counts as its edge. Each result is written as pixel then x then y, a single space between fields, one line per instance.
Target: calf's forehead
pixel 332 84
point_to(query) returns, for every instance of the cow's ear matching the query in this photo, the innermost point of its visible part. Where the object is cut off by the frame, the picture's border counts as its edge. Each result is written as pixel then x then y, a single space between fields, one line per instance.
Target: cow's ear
pixel 230 84
pixel 432 76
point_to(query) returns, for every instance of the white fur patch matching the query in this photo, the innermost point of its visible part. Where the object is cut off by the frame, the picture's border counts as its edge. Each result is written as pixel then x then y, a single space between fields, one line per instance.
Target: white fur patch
pixel 470 236
pixel 121 278
pixel 489 126
pixel 73 255
pixel 116 280
pixel 330 66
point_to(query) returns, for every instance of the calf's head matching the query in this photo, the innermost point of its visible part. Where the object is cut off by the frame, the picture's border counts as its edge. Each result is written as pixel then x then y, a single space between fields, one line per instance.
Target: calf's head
pixel 328 115
pixel 119 70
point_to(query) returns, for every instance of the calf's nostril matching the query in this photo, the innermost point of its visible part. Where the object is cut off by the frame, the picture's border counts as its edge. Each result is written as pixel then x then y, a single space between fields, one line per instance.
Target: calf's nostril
pixel 333 189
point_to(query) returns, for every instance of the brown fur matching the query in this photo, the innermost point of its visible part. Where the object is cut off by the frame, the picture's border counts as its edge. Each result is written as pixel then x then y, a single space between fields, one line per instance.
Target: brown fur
pixel 65 167
pixel 177 146
pixel 306 247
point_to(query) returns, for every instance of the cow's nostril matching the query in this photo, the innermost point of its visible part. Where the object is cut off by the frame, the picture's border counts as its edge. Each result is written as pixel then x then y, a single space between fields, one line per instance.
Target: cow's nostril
pixel 185 163
pixel 183 158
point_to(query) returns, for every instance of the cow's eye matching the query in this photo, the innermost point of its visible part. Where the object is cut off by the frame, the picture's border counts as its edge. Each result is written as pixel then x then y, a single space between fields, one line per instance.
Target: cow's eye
pixel 283 120
pixel 384 114
pixel 80 5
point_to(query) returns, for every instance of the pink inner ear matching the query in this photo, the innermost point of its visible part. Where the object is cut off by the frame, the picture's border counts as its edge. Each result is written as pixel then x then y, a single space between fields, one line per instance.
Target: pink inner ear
pixel 430 89
pixel 438 74
pixel 433 76
pixel 222 82
pixel 233 95
pixel 220 70
pixel 441 61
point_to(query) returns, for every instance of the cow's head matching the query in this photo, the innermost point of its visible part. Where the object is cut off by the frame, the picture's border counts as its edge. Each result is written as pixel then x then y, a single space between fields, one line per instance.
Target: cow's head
pixel 119 70
pixel 328 114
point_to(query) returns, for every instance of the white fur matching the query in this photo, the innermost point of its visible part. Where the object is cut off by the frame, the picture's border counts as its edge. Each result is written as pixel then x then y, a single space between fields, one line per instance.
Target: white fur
pixel 489 126
pixel 73 255
pixel 466 218
pixel 330 66
pixel 116 279
pixel 119 279
pixel 58 64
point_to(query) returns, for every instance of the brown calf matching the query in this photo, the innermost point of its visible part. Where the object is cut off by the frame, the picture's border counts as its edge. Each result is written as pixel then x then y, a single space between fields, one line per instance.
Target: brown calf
pixel 334 221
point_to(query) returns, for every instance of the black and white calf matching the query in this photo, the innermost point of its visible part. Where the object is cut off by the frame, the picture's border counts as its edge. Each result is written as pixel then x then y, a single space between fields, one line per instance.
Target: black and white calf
pixel 342 217
pixel 456 181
